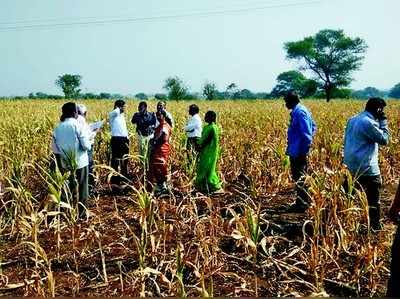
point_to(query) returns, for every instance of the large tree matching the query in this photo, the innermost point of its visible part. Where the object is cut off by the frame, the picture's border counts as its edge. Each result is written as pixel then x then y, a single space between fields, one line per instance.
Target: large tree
pixel 69 85
pixel 210 90
pixel 294 81
pixel 395 92
pixel 330 55
pixel 176 89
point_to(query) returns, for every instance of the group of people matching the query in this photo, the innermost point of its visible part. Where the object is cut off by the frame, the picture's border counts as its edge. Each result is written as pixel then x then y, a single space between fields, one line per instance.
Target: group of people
pixel 364 133
pixel 73 146
pixel 73 141
pixel 154 130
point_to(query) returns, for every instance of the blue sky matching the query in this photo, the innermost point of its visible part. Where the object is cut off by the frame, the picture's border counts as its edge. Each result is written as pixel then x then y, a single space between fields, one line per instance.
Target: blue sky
pixel 245 48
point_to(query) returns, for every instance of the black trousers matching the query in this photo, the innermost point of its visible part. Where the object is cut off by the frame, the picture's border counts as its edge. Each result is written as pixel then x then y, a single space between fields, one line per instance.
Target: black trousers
pixel 393 289
pixel 91 171
pixel 82 176
pixel 119 152
pixel 298 168
pixel 371 186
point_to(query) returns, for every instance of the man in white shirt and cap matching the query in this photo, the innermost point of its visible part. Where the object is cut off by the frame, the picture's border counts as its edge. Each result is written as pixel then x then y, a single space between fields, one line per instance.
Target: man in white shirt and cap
pixel 193 130
pixel 71 143
pixel 82 115
pixel 119 138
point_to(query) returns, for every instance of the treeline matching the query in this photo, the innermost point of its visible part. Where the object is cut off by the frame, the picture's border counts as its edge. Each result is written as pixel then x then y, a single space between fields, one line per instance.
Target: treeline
pixel 88 96
pixel 177 90
pixel 330 56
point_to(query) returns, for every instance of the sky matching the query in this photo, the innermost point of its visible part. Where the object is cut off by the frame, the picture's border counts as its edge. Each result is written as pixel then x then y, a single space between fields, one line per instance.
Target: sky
pixel 222 41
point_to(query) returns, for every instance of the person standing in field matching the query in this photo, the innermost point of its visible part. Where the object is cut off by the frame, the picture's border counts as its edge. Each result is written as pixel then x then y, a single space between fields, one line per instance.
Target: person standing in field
pixel 162 106
pixel 364 133
pixel 207 179
pixel 300 135
pixel 145 124
pixel 82 120
pixel 159 154
pixel 119 139
pixel 193 130
pixel 72 143
pixel 393 289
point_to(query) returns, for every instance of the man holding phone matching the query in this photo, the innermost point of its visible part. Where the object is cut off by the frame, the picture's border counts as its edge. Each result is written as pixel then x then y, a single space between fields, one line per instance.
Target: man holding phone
pixel 365 132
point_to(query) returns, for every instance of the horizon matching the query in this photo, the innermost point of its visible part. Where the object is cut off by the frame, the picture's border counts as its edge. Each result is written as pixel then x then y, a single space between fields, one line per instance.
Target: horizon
pixel 228 43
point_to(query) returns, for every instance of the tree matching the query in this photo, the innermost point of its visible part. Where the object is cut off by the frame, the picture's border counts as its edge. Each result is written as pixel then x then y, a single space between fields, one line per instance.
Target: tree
pixel 160 96
pixel 105 95
pixel 368 92
pixel 294 81
pixel 69 85
pixel 330 55
pixel 210 90
pixel 232 90
pixel 246 94
pixel 176 89
pixel 395 92
pixel 141 96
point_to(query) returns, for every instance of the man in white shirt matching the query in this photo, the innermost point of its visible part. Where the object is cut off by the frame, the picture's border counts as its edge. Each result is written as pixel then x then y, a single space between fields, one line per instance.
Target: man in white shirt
pixel 119 139
pixel 193 130
pixel 71 143
pixel 82 115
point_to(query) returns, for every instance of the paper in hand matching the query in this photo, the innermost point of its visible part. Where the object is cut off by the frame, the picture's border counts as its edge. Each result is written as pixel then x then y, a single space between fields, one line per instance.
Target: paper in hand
pixel 96 125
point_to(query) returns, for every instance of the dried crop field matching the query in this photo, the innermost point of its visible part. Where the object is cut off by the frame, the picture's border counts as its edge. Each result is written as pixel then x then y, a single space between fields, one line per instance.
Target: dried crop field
pixel 188 244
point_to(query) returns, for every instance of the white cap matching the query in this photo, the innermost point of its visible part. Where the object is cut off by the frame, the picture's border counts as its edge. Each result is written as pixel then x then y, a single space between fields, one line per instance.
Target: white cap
pixel 81 109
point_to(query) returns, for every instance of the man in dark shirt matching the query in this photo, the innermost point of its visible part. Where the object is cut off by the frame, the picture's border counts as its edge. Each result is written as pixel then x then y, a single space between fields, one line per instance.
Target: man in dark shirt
pixel 145 124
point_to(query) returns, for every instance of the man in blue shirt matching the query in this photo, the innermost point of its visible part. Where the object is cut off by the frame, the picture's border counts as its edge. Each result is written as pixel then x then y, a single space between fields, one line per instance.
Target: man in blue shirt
pixel 364 133
pixel 71 143
pixel 300 135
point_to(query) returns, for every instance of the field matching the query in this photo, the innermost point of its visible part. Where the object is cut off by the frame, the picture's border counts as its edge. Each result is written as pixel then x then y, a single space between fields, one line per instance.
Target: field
pixel 188 244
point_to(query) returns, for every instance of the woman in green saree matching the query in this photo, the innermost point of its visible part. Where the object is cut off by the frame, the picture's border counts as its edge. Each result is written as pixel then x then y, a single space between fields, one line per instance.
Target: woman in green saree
pixel 207 179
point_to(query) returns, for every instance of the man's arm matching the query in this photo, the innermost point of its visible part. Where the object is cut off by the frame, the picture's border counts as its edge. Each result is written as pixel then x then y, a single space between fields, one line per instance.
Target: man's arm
pixel 191 125
pixel 206 137
pixel 114 113
pixel 306 132
pixel 84 138
pixel 379 134
pixel 134 119
pixel 54 147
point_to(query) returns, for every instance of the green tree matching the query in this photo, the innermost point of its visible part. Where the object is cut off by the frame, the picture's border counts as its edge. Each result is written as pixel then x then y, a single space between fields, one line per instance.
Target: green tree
pixel 294 81
pixel 141 96
pixel 69 85
pixel 176 89
pixel 368 92
pixel 210 90
pixel 232 91
pixel 395 92
pixel 160 96
pixel 330 55
pixel 105 95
